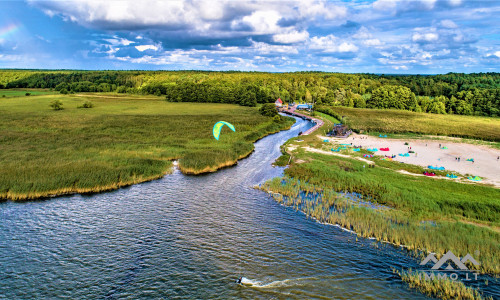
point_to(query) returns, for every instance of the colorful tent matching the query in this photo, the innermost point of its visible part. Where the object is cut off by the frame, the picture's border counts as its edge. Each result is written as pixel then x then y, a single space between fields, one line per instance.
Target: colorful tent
pixel 384 149
pixel 475 178
pixel 372 149
pixel 382 136
pixel 436 168
pixel 356 149
pixel 404 155
pixel 451 175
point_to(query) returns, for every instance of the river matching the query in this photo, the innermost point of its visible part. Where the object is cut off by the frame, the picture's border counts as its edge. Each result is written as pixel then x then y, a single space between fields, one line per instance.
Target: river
pixel 190 237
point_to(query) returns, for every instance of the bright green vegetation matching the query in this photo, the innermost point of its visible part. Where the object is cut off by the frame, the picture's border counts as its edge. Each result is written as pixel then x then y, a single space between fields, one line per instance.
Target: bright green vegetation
pixel 22 93
pixel 398 121
pixel 327 117
pixel 465 94
pixel 440 287
pixel 121 140
pixel 426 214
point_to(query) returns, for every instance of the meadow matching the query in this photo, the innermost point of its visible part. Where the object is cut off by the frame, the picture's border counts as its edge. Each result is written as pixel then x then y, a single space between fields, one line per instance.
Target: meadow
pixel 25 92
pixel 400 121
pixel 122 140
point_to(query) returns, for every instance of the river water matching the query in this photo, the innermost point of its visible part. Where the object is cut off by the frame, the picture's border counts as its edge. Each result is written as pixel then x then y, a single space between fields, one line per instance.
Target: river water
pixel 190 237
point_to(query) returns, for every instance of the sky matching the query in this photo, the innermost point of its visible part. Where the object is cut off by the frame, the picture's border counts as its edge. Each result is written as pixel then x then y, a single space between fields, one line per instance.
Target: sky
pixel 382 36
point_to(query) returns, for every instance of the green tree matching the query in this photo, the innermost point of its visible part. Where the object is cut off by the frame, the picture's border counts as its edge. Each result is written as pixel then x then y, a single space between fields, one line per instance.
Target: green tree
pixel 268 110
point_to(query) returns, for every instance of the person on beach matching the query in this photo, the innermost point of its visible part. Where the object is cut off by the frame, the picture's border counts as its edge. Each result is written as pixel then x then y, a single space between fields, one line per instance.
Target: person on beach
pixel 238 281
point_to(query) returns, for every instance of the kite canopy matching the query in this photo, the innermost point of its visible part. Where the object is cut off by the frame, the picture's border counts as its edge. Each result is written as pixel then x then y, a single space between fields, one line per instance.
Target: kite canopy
pixel 218 127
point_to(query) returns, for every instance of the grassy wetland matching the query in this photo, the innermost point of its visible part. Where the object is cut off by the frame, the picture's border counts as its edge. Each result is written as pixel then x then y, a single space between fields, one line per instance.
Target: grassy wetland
pixel 120 141
pixel 420 213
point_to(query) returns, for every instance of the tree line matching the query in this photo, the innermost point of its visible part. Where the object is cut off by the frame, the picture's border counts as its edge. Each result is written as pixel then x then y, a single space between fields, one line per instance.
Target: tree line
pixel 456 93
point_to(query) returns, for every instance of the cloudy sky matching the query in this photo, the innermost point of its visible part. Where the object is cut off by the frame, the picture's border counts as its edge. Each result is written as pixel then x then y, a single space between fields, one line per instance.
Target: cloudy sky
pixel 383 36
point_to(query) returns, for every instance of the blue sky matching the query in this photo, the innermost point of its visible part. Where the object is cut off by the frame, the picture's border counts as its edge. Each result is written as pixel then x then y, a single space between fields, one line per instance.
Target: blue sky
pixel 383 36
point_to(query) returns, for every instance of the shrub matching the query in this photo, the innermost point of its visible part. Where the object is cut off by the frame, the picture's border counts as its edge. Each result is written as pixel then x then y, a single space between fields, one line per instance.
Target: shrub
pixel 28 94
pixel 64 91
pixel 268 110
pixel 86 104
pixel 56 104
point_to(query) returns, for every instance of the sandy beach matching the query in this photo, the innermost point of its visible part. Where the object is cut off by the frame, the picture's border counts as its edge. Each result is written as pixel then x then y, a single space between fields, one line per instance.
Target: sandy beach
pixel 428 152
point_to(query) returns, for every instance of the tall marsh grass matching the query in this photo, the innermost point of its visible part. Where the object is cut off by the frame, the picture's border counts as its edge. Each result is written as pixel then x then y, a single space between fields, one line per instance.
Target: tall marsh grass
pixel 122 140
pixel 425 215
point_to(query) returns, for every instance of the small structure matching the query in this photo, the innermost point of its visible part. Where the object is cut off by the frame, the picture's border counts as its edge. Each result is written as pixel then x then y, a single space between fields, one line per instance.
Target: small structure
pixel 339 130
pixel 278 103
pixel 304 106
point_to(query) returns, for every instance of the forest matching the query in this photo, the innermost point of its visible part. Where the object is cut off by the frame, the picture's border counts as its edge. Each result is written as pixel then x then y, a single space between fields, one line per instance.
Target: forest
pixel 452 93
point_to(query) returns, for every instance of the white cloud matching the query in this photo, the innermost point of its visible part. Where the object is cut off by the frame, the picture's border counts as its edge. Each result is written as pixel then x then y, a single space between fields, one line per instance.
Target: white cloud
pixel 146 47
pixel 116 41
pixel 330 44
pixel 425 37
pixel 448 24
pixel 262 22
pixel 362 33
pixel 264 48
pixel 495 54
pixel 372 42
pixel 291 37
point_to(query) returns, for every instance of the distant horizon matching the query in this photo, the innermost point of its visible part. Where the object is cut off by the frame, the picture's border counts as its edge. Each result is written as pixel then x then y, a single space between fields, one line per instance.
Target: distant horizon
pixel 241 71
pixel 425 37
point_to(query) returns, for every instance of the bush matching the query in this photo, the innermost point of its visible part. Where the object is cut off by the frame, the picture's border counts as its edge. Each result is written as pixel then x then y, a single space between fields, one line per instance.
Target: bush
pixel 56 105
pixel 268 110
pixel 64 91
pixel 86 104
pixel 28 94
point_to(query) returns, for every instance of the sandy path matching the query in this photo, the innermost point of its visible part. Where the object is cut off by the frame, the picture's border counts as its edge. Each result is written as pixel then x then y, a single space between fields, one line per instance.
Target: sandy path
pixel 427 152
pixel 337 154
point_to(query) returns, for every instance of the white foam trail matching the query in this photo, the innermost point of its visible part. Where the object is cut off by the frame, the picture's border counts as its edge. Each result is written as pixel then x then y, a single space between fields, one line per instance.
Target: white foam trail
pixel 275 284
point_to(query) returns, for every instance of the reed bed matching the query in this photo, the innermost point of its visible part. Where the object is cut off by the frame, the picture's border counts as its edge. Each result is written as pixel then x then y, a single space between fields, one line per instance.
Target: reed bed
pixel 424 215
pixel 122 140
pixel 440 287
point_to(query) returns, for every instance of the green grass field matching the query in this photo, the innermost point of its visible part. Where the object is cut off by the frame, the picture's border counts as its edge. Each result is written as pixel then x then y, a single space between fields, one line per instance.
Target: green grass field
pixel 120 141
pixel 399 121
pixel 22 92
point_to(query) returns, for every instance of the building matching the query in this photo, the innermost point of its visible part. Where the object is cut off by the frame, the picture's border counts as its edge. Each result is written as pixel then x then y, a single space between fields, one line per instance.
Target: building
pixel 278 103
pixel 304 106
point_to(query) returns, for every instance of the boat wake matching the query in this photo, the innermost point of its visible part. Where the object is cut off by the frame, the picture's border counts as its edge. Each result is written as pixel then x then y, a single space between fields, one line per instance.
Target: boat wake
pixel 276 284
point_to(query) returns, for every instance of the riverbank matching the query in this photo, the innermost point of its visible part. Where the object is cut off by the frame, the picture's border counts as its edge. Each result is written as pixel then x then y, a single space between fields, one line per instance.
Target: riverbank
pixel 422 214
pixel 121 140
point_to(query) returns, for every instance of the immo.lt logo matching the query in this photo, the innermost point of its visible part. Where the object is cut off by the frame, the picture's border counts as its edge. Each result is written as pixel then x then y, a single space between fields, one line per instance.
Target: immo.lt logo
pixel 450 266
